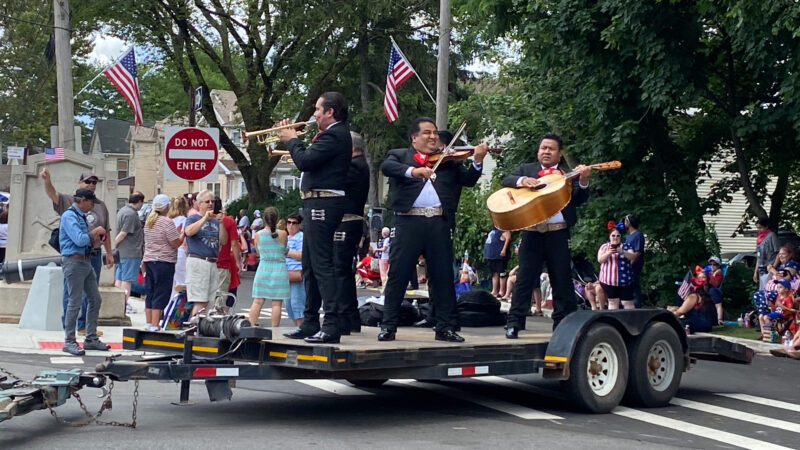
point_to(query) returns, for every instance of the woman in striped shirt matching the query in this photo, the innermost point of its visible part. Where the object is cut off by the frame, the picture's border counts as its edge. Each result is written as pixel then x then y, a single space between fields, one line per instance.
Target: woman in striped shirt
pixel 616 276
pixel 161 242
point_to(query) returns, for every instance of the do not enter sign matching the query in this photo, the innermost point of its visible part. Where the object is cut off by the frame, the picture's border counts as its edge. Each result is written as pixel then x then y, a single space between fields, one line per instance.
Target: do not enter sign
pixel 191 153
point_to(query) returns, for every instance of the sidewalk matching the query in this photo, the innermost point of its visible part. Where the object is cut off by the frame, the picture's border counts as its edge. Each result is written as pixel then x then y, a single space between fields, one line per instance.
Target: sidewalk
pixel 42 342
pixel 760 347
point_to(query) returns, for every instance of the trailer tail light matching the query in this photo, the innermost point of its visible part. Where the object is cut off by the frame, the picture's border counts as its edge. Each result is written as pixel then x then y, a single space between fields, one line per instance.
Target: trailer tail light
pixel 210 372
pixel 467 371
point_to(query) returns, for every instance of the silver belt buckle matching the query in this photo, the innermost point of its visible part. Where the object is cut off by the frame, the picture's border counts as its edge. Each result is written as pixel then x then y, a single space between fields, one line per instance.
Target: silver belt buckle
pixel 429 211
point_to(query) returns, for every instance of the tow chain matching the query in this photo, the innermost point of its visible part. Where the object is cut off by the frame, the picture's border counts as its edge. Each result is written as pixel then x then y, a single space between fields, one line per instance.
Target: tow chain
pixel 91 418
pixel 95 418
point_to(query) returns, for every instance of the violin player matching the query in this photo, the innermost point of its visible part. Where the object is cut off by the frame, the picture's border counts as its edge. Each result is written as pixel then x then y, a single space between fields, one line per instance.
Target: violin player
pixel 424 215
pixel 547 242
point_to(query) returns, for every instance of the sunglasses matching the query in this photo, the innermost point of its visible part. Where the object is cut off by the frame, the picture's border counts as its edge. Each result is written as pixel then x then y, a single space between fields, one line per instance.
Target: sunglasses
pixel 90 181
pixel 292 222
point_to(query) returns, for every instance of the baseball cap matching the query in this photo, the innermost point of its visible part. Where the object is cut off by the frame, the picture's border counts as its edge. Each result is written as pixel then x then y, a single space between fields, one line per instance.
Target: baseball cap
pixel 85 194
pixel 784 283
pixel 160 202
pixel 716 260
pixel 257 213
pixel 88 174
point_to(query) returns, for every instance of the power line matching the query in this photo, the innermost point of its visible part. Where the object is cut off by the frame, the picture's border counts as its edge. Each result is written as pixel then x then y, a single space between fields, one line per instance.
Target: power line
pixel 47 25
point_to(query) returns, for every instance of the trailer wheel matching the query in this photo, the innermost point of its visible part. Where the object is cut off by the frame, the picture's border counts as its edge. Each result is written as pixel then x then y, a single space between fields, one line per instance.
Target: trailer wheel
pixel 656 366
pixel 367 383
pixel 598 369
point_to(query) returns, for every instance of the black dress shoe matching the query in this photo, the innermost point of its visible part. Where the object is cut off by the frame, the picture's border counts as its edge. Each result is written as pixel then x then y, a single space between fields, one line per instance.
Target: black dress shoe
pixel 345 332
pixel 425 323
pixel 297 333
pixel 322 338
pixel 512 333
pixel 386 335
pixel 448 336
pixel 355 329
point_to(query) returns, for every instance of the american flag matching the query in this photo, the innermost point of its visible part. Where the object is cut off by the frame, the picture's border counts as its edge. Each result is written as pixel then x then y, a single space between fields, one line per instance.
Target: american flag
pixel 123 76
pixel 399 72
pixel 53 154
pixel 616 271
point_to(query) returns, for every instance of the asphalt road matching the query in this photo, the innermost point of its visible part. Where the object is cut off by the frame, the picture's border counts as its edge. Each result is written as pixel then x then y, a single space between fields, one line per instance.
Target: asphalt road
pixel 719 406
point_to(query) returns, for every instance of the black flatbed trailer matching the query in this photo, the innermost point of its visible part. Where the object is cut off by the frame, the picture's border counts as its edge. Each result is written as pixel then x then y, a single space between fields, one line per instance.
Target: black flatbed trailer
pixel 603 357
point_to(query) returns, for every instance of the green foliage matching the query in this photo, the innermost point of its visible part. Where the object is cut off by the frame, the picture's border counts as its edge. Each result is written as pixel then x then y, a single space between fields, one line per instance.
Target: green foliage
pixel 472 225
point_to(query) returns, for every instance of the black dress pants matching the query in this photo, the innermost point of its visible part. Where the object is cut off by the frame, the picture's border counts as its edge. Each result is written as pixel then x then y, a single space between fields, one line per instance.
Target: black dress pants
pixel 345 247
pixel 429 236
pixel 321 217
pixel 551 248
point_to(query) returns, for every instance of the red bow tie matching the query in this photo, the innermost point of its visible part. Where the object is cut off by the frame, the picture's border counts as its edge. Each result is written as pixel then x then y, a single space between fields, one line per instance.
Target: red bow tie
pixel 421 159
pixel 550 171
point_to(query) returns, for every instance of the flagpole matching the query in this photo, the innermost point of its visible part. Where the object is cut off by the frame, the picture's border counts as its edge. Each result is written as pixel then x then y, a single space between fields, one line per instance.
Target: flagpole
pixel 413 70
pixel 102 72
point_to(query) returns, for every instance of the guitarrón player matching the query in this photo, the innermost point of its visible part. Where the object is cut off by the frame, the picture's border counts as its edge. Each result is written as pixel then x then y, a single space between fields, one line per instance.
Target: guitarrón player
pixel 547 242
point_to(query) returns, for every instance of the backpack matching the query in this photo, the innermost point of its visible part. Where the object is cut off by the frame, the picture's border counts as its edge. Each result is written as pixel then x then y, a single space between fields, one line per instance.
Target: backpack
pixel 54 235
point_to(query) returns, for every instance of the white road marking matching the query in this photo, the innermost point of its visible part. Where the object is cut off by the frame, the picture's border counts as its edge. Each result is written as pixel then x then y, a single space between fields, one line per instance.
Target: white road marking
pixel 762 401
pixel 738 415
pixel 66 360
pixel 334 387
pixel 697 430
pixel 499 405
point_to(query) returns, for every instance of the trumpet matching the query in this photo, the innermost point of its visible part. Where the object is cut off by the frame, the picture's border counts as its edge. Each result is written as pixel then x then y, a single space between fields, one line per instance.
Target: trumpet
pixel 268 135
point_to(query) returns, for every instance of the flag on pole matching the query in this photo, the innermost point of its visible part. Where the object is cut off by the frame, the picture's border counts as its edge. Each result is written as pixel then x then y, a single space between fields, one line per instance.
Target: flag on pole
pixel 53 154
pixel 399 71
pixel 123 76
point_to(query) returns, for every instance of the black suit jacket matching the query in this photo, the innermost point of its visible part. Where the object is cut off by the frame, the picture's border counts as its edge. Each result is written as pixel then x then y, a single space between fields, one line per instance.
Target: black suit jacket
pixel 326 161
pixel 357 188
pixel 579 195
pixel 450 178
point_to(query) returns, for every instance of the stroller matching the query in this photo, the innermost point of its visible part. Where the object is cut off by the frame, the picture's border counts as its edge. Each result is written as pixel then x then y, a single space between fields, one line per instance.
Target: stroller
pixel 582 273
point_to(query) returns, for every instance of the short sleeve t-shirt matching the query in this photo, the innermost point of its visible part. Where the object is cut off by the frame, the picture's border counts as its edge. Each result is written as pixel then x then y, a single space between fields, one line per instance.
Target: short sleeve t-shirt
pixel 128 221
pixel 294 244
pixel 157 239
pixel 635 241
pixel 205 242
pixel 97 217
pixel 225 258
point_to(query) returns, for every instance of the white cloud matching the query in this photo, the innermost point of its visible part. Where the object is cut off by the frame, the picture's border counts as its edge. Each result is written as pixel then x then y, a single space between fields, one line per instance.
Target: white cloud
pixel 107 49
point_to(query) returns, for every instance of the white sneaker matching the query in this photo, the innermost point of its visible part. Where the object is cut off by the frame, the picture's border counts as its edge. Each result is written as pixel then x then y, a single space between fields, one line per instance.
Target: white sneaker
pixel 149 327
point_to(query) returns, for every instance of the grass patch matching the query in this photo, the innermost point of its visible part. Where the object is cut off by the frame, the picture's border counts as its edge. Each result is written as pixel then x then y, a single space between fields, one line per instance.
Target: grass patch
pixel 738 332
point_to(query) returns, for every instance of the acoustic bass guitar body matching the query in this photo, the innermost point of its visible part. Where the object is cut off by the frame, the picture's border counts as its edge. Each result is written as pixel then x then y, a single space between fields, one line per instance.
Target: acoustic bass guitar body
pixel 517 208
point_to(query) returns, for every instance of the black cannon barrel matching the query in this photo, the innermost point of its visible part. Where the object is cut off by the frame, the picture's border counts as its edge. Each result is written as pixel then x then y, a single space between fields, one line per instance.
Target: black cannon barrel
pixel 24 269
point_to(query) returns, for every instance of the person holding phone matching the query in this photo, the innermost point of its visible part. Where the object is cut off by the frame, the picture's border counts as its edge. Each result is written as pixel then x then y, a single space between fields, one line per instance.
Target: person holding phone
pixel 616 274
pixel 203 237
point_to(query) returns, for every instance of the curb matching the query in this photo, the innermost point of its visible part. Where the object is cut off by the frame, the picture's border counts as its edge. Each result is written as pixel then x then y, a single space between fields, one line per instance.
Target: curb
pixel 761 348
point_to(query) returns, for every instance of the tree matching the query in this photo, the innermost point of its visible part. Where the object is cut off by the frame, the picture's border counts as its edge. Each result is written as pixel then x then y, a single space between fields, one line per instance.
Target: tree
pixel 661 86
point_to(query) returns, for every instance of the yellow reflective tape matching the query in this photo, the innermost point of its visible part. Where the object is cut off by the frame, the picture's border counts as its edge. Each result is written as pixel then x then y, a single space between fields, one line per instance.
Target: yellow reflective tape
pixel 128 339
pixel 313 358
pixel 277 355
pixel 195 348
pixel 555 358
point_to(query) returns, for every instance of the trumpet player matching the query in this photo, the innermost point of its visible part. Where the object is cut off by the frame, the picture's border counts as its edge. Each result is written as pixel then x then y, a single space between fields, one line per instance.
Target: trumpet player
pixel 324 166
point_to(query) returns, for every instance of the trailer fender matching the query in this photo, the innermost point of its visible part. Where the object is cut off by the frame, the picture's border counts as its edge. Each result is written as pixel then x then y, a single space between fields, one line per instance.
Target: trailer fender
pixel 629 322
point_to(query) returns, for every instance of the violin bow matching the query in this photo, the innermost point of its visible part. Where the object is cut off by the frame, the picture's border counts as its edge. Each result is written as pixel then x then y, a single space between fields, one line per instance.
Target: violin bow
pixel 449 149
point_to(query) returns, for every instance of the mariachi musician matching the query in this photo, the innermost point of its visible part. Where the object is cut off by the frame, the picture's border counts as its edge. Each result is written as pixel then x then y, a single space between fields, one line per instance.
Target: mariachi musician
pixel 324 166
pixel 547 242
pixel 424 213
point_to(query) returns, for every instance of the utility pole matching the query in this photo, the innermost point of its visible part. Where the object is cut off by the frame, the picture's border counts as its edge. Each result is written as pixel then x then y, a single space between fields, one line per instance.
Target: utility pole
pixel 443 67
pixel 66 108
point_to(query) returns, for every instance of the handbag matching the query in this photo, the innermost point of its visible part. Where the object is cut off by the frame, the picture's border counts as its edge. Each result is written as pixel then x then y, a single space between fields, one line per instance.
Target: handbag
pixel 295 276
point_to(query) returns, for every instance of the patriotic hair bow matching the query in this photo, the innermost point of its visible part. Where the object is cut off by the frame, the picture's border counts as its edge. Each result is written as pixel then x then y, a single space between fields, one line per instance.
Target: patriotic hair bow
pixel 611 225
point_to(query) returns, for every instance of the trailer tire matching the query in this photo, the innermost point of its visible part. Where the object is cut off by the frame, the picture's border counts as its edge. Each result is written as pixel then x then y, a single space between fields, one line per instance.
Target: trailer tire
pixel 368 383
pixel 598 369
pixel 656 366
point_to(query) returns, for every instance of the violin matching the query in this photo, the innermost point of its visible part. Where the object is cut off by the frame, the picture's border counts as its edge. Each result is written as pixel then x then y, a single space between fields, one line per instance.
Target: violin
pixel 459 153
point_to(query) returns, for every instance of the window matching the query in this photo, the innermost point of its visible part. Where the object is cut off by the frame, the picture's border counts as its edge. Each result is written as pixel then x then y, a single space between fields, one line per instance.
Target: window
pixel 122 168
pixel 214 188
pixel 289 183
pixel 121 202
pixel 242 187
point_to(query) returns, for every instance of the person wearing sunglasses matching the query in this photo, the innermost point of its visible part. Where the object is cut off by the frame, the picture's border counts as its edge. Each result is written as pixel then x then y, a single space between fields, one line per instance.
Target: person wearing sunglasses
pixel 97 216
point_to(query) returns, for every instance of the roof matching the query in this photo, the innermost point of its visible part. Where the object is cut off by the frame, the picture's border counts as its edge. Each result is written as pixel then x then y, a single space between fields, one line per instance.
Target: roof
pixel 112 134
pixel 229 164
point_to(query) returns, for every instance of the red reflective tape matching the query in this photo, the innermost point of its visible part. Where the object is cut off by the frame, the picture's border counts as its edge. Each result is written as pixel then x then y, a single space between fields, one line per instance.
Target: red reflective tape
pixel 467 371
pixel 204 372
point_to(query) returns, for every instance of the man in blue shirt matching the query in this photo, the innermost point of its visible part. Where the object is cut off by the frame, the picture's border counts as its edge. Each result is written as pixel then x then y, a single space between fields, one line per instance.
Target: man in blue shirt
pixel 635 239
pixel 77 242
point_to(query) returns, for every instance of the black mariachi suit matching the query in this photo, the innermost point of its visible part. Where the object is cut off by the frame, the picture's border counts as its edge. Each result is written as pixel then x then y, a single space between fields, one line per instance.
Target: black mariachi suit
pixel 324 165
pixel 430 236
pixel 345 243
pixel 551 248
